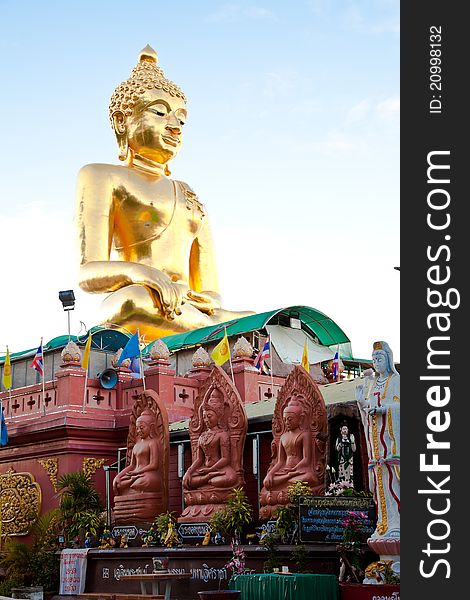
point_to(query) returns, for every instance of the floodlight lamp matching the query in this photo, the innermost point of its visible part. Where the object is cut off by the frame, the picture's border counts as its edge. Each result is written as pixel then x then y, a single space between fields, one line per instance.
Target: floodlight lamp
pixel 67 298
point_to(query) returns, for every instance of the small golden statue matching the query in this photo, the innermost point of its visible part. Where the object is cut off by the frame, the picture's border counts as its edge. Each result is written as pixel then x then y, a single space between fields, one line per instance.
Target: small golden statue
pixel 207 538
pixel 142 237
pixel 171 537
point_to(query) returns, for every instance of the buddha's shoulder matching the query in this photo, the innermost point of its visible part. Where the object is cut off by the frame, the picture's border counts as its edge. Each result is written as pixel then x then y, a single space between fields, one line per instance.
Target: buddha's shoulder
pixel 100 170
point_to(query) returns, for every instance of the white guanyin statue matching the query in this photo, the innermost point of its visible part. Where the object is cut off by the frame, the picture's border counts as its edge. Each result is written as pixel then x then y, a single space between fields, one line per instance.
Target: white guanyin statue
pixel 378 397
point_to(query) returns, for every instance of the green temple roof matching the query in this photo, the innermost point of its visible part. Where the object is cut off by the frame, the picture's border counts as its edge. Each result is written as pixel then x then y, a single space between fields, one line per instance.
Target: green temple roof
pixel 314 322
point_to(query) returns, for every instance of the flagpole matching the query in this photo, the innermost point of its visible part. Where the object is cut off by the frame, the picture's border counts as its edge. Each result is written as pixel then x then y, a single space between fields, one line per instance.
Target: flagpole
pixel 229 356
pixel 84 390
pixel 11 409
pixel 140 360
pixel 337 374
pixel 272 364
pixel 43 381
pixel 86 358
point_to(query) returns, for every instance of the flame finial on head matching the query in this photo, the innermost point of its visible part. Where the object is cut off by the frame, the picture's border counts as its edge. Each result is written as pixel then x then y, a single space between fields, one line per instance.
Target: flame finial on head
pixel 146 75
pixel 148 54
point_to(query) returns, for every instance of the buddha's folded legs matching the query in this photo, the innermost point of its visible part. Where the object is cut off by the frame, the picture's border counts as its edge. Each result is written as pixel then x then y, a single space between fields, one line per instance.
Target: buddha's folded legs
pixel 134 307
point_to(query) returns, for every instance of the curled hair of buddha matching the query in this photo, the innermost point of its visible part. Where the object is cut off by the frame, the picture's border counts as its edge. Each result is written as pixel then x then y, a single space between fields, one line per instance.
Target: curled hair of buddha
pixel 294 406
pixel 146 75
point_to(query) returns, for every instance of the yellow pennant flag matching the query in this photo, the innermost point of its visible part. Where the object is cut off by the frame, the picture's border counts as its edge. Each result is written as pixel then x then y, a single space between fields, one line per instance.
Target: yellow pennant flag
pixel 221 352
pixel 86 353
pixel 7 371
pixel 305 364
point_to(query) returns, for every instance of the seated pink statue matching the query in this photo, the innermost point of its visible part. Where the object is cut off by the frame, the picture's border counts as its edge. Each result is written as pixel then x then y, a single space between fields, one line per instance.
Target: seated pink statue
pixel 299 442
pixel 217 431
pixel 213 465
pixel 295 452
pixel 142 474
pixel 141 488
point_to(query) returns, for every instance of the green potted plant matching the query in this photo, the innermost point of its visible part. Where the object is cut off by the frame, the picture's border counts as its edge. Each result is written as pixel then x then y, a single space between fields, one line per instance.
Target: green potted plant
pixel 234 517
pixel 80 507
pixel 35 565
pixel 238 514
pixel 287 516
pixel 350 550
pixel 273 561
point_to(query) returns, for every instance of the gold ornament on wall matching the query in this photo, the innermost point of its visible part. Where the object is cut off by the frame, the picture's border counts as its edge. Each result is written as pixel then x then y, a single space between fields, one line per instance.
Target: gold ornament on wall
pixel 20 502
pixel 91 465
pixel 51 466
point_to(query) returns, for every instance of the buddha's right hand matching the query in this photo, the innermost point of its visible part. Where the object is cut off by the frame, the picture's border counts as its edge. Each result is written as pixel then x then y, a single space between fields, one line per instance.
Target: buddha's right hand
pixel 166 295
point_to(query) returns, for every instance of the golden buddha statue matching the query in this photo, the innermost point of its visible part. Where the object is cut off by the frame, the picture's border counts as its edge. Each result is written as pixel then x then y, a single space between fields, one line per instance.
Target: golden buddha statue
pixel 143 236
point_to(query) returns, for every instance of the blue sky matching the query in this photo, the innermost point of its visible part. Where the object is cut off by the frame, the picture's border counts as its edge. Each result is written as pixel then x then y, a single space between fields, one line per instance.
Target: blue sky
pixel 292 143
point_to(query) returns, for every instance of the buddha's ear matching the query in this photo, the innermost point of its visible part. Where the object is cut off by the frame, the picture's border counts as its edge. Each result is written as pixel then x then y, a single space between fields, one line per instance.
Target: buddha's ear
pixel 120 130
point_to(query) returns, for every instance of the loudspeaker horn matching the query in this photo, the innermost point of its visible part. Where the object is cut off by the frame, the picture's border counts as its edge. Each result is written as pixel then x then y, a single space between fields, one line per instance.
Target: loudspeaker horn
pixel 108 379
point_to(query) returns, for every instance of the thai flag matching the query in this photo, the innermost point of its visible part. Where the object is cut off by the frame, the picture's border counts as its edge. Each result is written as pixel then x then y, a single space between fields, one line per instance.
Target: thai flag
pixel 38 360
pixel 335 365
pixel 263 354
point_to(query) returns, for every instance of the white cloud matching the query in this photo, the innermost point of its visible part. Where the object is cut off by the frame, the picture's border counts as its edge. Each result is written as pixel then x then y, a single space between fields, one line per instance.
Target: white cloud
pixel 388 108
pixel 359 111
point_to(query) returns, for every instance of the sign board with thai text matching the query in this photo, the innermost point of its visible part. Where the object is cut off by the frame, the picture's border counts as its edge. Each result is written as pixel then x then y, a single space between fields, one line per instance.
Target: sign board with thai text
pixel 73 571
pixel 321 518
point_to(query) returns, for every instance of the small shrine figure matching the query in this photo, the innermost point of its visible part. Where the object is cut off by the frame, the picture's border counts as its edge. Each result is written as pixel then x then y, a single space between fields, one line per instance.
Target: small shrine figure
pixel 299 441
pixel 218 539
pixel 105 541
pixel 345 447
pixel 207 538
pixel 217 431
pixel 263 534
pixel 88 540
pixel 150 538
pixel 171 538
pixel 124 541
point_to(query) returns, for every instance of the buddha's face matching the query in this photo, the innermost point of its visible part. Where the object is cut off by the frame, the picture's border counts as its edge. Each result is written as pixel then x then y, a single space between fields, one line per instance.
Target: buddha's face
pixel 210 418
pixel 344 431
pixel 292 419
pixel 155 128
pixel 143 427
pixel 380 362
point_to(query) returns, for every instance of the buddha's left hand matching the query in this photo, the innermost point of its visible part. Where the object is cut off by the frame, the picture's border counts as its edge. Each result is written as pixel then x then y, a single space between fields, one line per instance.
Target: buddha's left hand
pixel 202 301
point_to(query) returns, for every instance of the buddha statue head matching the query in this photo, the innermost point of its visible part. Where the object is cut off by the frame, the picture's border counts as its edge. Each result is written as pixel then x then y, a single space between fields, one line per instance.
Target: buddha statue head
pixel 147 113
pixel 382 358
pixel 293 414
pixel 213 409
pixel 145 424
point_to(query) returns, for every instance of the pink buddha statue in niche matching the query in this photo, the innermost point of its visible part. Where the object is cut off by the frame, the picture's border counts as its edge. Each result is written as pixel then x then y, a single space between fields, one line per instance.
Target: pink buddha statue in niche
pixel 142 474
pixel 299 442
pixel 213 465
pixel 295 451
pixel 217 430
pixel 141 488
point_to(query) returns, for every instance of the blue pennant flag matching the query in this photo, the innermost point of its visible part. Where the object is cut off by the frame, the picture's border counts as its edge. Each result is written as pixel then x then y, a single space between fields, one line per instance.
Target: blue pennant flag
pixel 4 432
pixel 135 367
pixel 131 349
